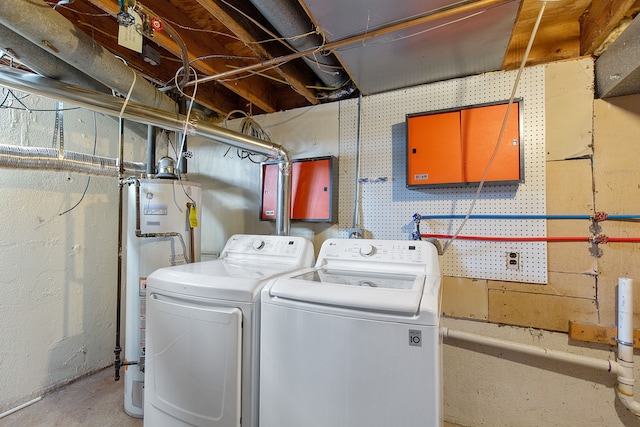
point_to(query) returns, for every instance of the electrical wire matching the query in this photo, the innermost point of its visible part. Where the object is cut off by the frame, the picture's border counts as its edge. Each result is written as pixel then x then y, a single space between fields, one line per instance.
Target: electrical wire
pixel 502 129
pixel 187 125
pixel 248 126
pixel 86 187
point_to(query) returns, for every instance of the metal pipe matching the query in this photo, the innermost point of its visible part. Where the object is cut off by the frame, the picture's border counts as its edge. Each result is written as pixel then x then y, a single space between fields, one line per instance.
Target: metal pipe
pixel 118 349
pixel 151 150
pixel 16 157
pixel 284 198
pixel 36 21
pixel 112 105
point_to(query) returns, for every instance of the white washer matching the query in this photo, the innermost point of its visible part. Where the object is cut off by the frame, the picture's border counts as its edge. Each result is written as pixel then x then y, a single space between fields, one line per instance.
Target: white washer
pixel 354 341
pixel 202 332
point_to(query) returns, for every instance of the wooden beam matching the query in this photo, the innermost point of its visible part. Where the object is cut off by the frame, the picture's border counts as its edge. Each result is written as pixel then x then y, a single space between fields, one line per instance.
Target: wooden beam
pixel 601 334
pixel 287 72
pixel 599 20
pixel 253 89
pixel 558 37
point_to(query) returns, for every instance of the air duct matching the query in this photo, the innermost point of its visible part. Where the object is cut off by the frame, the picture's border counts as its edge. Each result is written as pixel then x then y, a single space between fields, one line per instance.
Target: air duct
pixel 136 112
pixel 43 63
pixel 290 20
pixel 37 22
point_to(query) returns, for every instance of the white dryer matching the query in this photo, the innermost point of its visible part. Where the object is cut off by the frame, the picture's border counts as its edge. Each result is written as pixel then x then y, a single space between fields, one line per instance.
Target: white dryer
pixel 202 332
pixel 354 341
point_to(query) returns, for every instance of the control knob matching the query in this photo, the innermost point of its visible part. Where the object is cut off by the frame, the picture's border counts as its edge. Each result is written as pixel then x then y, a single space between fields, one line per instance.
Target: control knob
pixel 258 244
pixel 367 250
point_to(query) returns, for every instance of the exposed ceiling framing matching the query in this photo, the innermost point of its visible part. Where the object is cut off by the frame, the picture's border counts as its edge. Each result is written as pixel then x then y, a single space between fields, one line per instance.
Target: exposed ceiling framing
pixel 242 62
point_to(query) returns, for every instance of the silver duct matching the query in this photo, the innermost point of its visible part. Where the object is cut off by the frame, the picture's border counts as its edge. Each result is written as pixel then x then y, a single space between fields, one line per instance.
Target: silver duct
pixel 290 20
pixel 43 63
pixel 16 157
pixel 37 22
pixel 136 112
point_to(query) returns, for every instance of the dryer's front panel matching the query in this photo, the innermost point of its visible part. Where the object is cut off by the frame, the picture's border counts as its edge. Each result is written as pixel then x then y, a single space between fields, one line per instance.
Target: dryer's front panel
pixel 193 365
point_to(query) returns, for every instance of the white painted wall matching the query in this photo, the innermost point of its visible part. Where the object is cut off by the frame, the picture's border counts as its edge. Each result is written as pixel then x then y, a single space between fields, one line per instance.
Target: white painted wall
pixel 58 280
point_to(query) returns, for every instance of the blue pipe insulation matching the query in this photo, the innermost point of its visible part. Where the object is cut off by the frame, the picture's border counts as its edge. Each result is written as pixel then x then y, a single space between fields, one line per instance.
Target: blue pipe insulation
pixel 492 216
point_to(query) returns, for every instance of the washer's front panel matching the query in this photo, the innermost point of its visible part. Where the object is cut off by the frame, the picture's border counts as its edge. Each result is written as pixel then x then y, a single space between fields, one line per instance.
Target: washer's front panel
pixel 320 370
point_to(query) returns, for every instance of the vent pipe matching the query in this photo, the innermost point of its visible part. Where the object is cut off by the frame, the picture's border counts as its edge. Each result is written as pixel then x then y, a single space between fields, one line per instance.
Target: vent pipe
pixel 139 113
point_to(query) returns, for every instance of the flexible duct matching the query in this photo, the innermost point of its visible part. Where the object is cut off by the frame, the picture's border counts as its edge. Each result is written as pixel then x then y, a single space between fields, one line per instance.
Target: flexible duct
pixel 136 112
pixel 16 157
pixel 37 22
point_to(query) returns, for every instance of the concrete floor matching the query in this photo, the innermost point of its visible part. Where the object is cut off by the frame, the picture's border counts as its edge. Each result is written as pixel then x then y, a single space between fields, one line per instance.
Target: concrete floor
pixel 94 401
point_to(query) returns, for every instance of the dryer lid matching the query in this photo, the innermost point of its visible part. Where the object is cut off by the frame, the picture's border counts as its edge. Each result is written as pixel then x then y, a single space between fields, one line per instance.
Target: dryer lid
pixel 398 293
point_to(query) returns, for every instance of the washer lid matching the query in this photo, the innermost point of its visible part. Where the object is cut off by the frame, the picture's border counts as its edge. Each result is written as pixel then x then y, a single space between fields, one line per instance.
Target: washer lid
pixel 217 279
pixel 398 293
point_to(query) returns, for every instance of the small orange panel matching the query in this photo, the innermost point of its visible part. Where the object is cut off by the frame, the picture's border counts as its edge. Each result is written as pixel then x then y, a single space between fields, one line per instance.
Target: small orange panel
pixel 481 128
pixel 312 196
pixel 453 147
pixel 435 154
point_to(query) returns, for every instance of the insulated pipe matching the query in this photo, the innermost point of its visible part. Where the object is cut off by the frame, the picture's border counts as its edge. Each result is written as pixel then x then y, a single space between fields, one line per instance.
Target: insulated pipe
pixel 16 157
pixel 291 20
pixel 136 112
pixel 36 21
pixel 625 346
pixel 560 356
pixel 43 63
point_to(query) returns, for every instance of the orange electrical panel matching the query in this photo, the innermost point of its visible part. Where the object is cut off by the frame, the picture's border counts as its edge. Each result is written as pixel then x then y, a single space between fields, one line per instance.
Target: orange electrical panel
pixel 312 190
pixel 454 147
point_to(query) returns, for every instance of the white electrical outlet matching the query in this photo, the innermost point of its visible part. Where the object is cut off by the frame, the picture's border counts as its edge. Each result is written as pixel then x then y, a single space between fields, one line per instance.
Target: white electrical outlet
pixel 513 260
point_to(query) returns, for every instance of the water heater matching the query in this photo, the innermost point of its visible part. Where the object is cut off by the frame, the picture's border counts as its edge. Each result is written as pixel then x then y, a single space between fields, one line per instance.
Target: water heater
pixel 162 231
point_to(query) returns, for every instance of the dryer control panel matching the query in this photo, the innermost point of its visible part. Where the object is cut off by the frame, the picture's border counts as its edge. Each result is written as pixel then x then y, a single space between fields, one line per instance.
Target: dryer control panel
pixel 381 254
pixel 282 249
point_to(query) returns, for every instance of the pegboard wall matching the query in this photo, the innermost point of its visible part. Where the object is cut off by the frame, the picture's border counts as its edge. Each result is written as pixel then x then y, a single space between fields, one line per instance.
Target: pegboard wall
pixel 385 206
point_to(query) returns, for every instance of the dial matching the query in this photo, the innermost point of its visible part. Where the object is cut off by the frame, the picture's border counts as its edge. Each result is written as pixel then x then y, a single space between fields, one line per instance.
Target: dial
pixel 367 250
pixel 258 244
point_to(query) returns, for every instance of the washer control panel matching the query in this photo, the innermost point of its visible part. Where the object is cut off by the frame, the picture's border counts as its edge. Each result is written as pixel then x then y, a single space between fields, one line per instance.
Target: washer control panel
pixel 378 251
